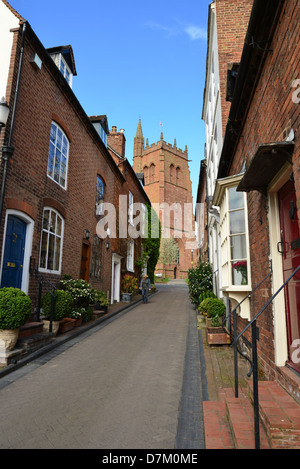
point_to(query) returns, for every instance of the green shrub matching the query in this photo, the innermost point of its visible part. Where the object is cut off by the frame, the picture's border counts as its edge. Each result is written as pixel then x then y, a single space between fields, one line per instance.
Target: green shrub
pixel 199 281
pixel 63 304
pixel 207 294
pixel 101 298
pixel 212 307
pixel 15 308
pixel 82 292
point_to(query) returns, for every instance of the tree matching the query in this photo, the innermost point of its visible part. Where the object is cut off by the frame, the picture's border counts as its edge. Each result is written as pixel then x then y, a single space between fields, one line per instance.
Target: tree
pixel 169 251
pixel 151 244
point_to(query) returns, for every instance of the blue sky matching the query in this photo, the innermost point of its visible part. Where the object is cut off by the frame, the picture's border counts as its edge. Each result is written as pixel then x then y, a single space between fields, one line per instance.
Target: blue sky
pixel 134 59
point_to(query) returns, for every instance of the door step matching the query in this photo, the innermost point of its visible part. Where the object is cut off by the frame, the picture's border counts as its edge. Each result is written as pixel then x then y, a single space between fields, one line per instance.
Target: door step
pixel 230 423
pixel 30 328
pixel 280 415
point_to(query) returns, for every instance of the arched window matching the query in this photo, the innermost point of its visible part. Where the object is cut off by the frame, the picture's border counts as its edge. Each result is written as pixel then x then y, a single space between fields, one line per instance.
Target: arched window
pixel 100 188
pixel 146 174
pixel 58 155
pixel 178 176
pixel 172 173
pixel 51 241
pixel 152 172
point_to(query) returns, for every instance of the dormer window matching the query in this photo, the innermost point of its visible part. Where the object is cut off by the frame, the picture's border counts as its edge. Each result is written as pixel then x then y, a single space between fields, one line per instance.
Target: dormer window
pixel 101 125
pixel 64 60
pixel 66 72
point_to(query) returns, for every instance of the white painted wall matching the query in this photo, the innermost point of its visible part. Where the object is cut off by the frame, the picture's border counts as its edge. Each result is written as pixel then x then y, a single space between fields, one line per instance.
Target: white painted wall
pixel 7 21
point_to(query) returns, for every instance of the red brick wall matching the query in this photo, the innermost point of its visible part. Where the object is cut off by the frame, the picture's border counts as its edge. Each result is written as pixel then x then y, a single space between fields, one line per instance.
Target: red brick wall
pixel 232 21
pixel 43 97
pixel 271 117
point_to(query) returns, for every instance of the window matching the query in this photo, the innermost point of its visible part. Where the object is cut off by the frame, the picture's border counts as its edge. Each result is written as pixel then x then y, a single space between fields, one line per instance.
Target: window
pixel 234 237
pixel 66 72
pixel 96 257
pixel 100 186
pixel 51 241
pixel 172 173
pixel 152 172
pixel 130 256
pixel 178 181
pixel 58 155
pixel 237 237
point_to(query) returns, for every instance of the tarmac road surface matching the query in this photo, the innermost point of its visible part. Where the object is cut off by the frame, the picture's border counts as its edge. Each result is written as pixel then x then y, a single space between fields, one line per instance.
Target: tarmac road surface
pixel 118 387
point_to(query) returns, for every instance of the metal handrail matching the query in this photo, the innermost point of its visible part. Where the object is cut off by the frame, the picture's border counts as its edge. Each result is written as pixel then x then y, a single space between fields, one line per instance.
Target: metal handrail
pixel 254 336
pixel 234 335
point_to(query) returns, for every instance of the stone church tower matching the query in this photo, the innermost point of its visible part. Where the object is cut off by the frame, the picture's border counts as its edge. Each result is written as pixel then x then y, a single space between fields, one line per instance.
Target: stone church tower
pixel 168 186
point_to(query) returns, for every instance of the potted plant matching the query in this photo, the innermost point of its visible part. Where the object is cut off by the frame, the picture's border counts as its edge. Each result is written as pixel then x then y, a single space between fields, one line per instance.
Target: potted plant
pixel 15 310
pixel 77 314
pixel 62 308
pixel 101 301
pixel 214 308
pixel 128 287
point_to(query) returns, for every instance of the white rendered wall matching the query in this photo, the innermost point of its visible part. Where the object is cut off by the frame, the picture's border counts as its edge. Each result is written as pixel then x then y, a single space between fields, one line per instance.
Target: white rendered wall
pixel 7 21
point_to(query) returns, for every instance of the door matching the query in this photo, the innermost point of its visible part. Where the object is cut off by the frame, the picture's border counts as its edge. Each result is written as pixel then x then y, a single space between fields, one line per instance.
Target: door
pixel 290 248
pixel 85 262
pixel 12 268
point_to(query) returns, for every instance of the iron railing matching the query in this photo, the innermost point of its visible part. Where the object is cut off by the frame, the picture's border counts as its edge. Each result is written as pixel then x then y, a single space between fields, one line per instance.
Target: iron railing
pixel 49 286
pixel 254 364
pixel 234 334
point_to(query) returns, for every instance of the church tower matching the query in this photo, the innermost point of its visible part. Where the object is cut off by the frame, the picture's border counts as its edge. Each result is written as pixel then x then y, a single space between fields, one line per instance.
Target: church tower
pixel 168 185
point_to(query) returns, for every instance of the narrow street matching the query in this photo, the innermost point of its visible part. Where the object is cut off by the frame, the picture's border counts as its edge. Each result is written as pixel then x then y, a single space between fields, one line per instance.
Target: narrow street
pixel 123 385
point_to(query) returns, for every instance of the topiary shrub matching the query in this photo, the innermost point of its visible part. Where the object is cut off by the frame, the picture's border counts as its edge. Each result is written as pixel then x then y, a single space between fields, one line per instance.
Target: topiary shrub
pixel 212 307
pixel 15 308
pixel 63 304
pixel 207 294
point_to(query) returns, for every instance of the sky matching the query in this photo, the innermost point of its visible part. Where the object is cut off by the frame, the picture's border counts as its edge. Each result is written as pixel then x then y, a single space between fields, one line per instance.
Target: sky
pixel 134 59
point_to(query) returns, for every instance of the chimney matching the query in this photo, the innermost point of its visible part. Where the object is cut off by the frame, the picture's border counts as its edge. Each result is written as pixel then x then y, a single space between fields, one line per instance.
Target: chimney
pixel 117 140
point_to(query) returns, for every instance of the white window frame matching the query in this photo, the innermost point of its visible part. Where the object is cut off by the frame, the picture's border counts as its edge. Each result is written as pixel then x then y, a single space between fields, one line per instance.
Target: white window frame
pixel 130 256
pixel 56 147
pixel 221 199
pixel 65 70
pixel 57 237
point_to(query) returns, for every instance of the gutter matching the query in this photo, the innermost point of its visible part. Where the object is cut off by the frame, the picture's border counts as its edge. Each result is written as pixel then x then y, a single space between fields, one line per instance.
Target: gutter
pixel 7 150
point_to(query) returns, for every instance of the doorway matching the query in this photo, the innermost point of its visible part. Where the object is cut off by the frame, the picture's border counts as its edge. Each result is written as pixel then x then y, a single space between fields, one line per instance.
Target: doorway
pixel 289 247
pixel 85 262
pixel 14 250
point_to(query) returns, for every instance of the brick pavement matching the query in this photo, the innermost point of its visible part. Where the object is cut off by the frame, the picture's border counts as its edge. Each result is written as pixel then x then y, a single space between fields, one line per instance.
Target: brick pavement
pixel 116 386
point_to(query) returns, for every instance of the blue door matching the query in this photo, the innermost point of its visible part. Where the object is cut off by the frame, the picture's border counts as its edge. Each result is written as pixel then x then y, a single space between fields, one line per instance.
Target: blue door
pixel 12 268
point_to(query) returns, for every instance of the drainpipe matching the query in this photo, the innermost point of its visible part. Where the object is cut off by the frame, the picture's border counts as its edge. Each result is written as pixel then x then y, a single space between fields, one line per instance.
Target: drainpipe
pixel 7 150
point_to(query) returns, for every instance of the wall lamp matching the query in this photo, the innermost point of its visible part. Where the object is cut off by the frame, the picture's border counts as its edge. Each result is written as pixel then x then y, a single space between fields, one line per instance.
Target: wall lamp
pixel 87 234
pixel 4 112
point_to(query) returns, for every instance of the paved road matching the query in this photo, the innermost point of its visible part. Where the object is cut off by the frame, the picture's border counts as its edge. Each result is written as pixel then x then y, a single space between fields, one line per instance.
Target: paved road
pixel 118 387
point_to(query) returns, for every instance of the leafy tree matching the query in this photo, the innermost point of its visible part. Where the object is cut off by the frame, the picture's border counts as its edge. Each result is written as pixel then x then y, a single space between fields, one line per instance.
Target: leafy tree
pixel 200 280
pixel 151 243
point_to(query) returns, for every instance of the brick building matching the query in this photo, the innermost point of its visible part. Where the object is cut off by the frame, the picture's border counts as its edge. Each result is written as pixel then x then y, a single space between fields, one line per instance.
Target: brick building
pixel 167 183
pixel 227 25
pixel 258 190
pixel 60 172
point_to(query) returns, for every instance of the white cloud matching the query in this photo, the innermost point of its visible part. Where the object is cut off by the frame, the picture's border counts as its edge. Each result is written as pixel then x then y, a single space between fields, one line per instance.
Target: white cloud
pixel 195 32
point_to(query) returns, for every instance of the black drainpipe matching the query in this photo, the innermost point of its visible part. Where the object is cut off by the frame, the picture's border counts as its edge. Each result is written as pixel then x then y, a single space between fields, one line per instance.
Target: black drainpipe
pixel 7 150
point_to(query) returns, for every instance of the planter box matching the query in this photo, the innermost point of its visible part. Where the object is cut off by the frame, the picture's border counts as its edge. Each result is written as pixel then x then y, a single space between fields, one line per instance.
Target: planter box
pixel 78 322
pixel 126 297
pixel 66 325
pixel 217 336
